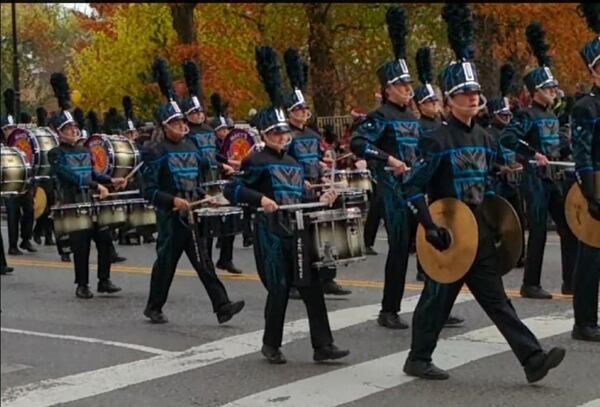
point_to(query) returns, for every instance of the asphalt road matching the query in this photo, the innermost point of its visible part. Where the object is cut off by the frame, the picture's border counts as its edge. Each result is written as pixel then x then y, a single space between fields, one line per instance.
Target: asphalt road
pixel 60 350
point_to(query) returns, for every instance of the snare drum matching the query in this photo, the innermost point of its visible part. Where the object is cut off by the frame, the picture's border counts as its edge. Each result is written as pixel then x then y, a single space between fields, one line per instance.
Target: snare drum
pixel 216 188
pixel 140 213
pixel 35 143
pixel 72 218
pixel 15 173
pixel 353 198
pixel 218 222
pixel 111 213
pixel 114 156
pixel 358 179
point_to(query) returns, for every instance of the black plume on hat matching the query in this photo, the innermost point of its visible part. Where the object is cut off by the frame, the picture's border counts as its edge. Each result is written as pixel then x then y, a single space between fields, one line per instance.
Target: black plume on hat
pixel 217 105
pixel 591 12
pixel 128 107
pixel 42 116
pixel 507 74
pixel 192 77
pixel 459 19
pixel 93 120
pixel 60 86
pixel 79 117
pixel 24 117
pixel 270 74
pixel 295 68
pixel 160 72
pixel 424 65
pixel 397 24
pixel 9 101
pixel 536 37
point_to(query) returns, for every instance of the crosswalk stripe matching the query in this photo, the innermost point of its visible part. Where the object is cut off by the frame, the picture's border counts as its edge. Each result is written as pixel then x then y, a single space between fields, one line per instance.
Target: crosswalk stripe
pixel 361 380
pixel 592 403
pixel 92 383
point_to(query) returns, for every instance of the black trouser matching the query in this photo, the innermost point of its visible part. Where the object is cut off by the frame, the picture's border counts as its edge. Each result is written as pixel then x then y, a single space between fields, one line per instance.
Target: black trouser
pixel 2 255
pixel 374 215
pixel 275 266
pixel 81 242
pixel 543 196
pixel 44 225
pixel 587 279
pixel 175 237
pixel 513 195
pixel 63 245
pixel 484 281
pixel 19 209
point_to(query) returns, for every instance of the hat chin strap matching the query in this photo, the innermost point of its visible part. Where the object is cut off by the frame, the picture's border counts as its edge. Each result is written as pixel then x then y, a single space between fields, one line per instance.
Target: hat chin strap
pixel 482 104
pixel 549 99
pixel 304 119
pixel 504 122
pixel 276 146
pixel 183 132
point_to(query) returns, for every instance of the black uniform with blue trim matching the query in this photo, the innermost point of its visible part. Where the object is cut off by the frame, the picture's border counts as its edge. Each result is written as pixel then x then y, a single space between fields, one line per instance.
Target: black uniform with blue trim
pixel 72 168
pixel 281 178
pixel 176 169
pixel 538 127
pixel 390 130
pixel 457 161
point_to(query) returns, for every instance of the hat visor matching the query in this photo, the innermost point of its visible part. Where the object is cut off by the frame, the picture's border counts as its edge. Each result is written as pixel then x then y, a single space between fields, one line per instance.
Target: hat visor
pixel 550 84
pixel 194 110
pixel 173 117
pixel 299 105
pixel 466 87
pixel 278 128
pixel 66 123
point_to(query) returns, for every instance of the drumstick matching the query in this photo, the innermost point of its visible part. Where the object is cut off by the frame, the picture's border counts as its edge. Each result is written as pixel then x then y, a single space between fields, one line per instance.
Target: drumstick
pixel 392 169
pixel 137 167
pixel 135 191
pixel 345 183
pixel 200 201
pixel 556 163
pixel 344 156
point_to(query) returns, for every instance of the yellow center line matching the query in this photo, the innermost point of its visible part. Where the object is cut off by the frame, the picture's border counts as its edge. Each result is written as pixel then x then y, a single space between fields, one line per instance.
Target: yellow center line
pixel 239 277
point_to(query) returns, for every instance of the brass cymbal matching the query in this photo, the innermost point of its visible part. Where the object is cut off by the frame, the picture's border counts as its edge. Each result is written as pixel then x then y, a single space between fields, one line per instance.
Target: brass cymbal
pixel 586 228
pixel 503 219
pixel 40 200
pixel 453 263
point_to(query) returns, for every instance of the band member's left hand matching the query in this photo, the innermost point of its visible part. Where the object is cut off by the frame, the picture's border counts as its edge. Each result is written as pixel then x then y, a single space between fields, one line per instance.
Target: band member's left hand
pixel 234 163
pixel 329 197
pixel 361 164
pixel 541 159
pixel 398 166
pixel 594 209
pixel 228 169
pixel 307 185
pixel 118 183
pixel 213 201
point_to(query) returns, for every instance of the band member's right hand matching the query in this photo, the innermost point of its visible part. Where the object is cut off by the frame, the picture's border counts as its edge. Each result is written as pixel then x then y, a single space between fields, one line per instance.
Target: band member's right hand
pixel 307 185
pixel 398 166
pixel 180 204
pixel 103 191
pixel 439 237
pixel 361 164
pixel 228 169
pixel 541 159
pixel 268 204
pixel 594 209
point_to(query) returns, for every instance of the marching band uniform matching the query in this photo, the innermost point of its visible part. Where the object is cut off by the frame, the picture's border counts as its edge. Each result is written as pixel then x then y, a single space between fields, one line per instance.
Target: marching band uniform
pixel 586 152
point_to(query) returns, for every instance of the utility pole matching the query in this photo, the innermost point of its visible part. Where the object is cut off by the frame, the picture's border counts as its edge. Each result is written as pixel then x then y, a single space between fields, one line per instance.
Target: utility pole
pixel 17 106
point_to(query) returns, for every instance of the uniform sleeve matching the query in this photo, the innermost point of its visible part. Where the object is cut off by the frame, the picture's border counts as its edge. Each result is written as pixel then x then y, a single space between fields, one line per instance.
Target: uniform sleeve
pixel 64 174
pixel 513 135
pixel 364 138
pixel 423 169
pixel 101 178
pixel 153 160
pixel 240 189
pixel 583 122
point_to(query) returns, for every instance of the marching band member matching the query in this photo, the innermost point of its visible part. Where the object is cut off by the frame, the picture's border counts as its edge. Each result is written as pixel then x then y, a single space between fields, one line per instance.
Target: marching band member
pixel 425 97
pixel 535 129
pixel 586 152
pixel 172 172
pixel 71 164
pixel 456 161
pixel 270 178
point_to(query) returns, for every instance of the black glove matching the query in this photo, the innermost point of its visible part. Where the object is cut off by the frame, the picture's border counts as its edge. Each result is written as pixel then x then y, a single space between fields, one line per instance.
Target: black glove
pixel 439 237
pixel 586 182
pixel 594 209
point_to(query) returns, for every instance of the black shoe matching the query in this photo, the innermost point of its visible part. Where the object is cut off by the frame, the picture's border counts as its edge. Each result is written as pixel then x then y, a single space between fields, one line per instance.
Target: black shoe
pixel 26 245
pixel 228 266
pixel 586 333
pixel 117 259
pixel 83 291
pixel 227 311
pixel 294 294
pixel 520 263
pixel 49 241
pixel 424 370
pixel 156 317
pixel 535 291
pixel 65 257
pixel 37 239
pixel 566 289
pixel 370 252
pixel 454 322
pixel 149 239
pixel 421 276
pixel 391 320
pixel 273 355
pixel 329 352
pixel 106 286
pixel 13 251
pixel 331 287
pixel 538 365
pixel 6 270
pixel 248 241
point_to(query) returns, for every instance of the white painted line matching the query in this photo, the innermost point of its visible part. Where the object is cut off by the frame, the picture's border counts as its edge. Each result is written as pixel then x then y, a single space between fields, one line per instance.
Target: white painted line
pixel 592 403
pixel 132 346
pixel 6 368
pixel 88 384
pixel 355 382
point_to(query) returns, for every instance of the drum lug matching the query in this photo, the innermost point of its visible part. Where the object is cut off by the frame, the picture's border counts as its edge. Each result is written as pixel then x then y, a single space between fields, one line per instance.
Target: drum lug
pixel 299 220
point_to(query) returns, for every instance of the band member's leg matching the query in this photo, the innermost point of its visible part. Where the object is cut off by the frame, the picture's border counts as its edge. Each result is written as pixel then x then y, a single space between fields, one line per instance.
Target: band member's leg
pixel 537 215
pixel 226 255
pixel 27 217
pixel 374 216
pixel 587 278
pixel 568 241
pixel 103 241
pixel 80 243
pixel 13 214
pixel 320 332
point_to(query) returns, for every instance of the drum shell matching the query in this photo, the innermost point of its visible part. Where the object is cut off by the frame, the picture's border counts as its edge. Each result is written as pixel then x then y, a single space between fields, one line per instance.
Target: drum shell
pixel 216 188
pixel 15 172
pixel 111 214
pixel 35 143
pixel 140 214
pixel 72 218
pixel 219 222
pixel 114 156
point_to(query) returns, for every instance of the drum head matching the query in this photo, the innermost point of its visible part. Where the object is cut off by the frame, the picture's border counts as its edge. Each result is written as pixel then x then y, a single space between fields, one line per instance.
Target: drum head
pixel 25 141
pixel 238 144
pixel 40 201
pixel 97 145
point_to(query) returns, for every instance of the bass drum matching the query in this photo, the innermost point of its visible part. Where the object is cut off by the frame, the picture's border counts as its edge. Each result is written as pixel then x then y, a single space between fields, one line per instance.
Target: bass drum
pixel 15 173
pixel 114 156
pixel 35 142
pixel 237 144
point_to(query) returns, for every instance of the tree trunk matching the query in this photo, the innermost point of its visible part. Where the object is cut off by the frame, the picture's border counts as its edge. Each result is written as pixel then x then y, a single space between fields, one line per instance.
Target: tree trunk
pixel 183 22
pixel 322 67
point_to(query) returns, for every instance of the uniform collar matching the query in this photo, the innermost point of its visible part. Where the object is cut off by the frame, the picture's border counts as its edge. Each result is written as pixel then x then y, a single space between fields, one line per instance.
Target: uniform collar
pixel 539 106
pixel 396 106
pixel 274 152
pixel 459 124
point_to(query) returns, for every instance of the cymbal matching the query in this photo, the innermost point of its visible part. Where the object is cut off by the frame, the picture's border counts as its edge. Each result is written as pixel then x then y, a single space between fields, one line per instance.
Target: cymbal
pixel 503 219
pixel 40 200
pixel 586 228
pixel 453 263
